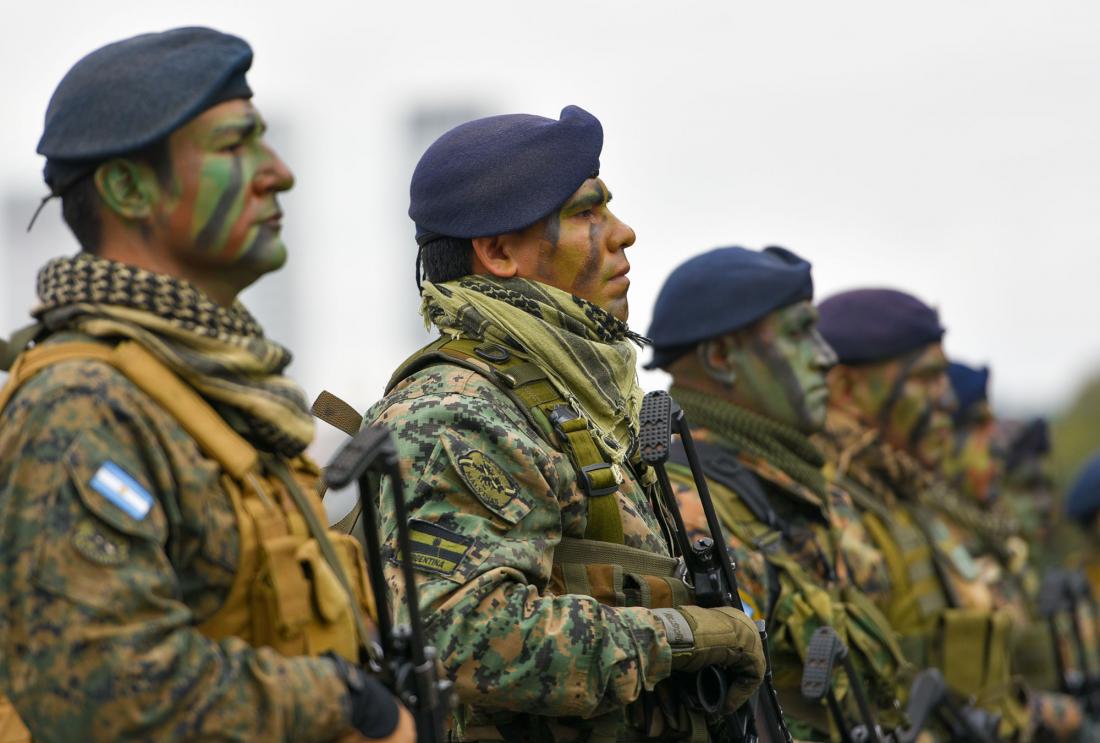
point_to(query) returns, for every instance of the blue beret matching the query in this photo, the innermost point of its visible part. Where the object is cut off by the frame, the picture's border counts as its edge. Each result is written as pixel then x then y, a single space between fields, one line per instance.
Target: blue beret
pixel 721 291
pixel 502 173
pixel 868 325
pixel 1083 500
pixel 970 386
pixel 127 95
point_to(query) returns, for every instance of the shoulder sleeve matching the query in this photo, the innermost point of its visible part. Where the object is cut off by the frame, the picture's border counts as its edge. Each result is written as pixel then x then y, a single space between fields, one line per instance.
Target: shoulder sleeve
pixel 483 490
pixel 96 642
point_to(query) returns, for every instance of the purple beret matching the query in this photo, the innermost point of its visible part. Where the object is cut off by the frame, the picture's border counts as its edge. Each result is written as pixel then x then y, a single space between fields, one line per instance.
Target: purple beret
pixel 720 291
pixel 502 173
pixel 868 325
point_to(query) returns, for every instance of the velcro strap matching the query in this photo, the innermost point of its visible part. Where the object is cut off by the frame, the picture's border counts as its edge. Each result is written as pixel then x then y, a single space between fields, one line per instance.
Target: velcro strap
pixel 677 628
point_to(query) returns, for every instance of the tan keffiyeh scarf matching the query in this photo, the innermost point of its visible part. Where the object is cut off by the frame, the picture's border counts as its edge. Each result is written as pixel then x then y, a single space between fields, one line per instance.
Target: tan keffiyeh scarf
pixel 219 351
pixel 587 353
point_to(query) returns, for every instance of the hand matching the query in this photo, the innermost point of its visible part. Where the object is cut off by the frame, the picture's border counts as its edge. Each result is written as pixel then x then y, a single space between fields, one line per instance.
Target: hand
pixel 723 637
pixel 405 732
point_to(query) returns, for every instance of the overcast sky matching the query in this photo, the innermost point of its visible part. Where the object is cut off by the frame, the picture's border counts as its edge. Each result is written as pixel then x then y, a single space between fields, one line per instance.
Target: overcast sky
pixel 951 149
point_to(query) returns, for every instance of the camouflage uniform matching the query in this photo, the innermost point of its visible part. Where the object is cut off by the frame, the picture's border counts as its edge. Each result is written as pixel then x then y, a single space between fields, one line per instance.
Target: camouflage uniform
pixel 808 583
pixel 100 635
pixel 496 498
pixel 933 575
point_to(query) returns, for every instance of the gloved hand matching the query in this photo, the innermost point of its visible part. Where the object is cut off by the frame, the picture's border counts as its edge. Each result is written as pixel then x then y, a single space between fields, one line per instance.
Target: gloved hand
pixel 375 713
pixel 723 637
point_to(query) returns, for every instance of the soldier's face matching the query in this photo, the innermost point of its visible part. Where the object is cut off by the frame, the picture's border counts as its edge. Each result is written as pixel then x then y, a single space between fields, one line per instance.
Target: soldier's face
pixel 580 249
pixel 778 366
pixel 977 462
pixel 219 210
pixel 912 401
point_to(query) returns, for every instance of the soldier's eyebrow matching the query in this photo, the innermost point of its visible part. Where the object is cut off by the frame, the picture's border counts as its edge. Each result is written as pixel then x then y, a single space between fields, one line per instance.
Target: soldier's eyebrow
pixel 245 127
pixel 597 197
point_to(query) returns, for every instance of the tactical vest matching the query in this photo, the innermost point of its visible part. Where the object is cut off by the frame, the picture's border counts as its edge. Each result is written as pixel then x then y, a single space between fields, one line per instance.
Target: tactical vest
pixel 298 588
pixel 972 647
pixel 599 565
pixel 742 506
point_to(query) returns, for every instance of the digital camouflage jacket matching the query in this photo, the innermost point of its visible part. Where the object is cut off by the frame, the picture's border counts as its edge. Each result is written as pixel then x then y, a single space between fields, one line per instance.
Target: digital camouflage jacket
pixel 490 498
pixel 801 575
pixel 99 633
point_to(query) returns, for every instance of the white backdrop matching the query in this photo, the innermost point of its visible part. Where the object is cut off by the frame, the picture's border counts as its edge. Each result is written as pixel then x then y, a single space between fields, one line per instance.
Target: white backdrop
pixel 949 148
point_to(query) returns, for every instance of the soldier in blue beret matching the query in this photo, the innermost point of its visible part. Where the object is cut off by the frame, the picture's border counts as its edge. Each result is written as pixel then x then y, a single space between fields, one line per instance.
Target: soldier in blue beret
pixel 889 433
pixel 160 552
pixel 737 330
pixel 520 424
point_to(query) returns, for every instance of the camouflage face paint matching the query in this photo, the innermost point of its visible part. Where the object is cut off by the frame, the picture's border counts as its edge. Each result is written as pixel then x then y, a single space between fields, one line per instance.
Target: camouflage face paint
pixel 221 209
pixel 779 365
pixel 581 250
pixel 912 399
pixel 975 465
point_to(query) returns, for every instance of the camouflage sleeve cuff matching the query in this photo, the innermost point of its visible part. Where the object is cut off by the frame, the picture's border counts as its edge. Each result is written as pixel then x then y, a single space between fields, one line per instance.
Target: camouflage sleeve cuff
pixel 652 651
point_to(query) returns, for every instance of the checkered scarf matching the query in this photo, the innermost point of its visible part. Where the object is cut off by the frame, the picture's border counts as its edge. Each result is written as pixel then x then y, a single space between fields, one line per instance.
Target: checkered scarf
pixel 219 351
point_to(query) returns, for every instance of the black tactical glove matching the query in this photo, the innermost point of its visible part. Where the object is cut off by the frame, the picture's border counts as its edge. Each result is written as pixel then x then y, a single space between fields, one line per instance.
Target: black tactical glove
pixel 373 707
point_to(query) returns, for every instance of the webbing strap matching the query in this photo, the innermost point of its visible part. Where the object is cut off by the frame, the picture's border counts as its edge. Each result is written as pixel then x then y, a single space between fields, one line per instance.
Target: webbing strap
pixel 530 387
pixel 962 632
pixel 630 559
pixel 214 436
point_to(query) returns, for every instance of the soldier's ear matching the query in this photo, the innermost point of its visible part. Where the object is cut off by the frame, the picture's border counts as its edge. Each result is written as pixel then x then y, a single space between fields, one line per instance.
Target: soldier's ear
pixel 127 187
pixel 716 357
pixel 493 256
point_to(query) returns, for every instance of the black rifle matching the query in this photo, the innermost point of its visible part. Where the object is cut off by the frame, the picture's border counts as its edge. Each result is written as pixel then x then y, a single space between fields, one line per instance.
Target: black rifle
pixel 1065 594
pixel 710 570
pixel 822 654
pixel 404 661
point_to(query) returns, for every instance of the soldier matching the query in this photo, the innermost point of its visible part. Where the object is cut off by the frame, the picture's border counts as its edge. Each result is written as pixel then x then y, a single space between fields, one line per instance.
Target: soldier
pixel 162 559
pixel 981 520
pixel 736 329
pixel 543 570
pixel 1083 507
pixel 888 432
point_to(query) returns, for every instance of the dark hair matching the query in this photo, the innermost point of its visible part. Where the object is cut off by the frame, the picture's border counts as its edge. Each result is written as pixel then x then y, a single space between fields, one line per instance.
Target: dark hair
pixel 80 203
pixel 447 258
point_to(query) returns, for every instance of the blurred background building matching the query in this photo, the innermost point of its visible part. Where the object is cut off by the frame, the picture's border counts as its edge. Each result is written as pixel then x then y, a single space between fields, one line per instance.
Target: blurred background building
pixel 949 149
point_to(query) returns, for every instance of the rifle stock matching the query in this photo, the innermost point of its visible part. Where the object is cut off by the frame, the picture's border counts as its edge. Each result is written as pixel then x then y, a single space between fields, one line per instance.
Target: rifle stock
pixel 404 661
pixel 710 567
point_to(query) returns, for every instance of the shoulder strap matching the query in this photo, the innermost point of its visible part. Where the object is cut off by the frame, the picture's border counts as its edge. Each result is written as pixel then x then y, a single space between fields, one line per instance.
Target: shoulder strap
pixel 214 436
pixel 547 410
pixel 722 466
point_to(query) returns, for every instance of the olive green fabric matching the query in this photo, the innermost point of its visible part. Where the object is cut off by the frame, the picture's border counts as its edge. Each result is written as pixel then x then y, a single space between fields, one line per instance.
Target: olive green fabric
pixel 587 354
pixel 781 445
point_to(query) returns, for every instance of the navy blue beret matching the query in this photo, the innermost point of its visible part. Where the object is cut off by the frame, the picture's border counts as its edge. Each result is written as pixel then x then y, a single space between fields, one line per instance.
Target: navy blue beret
pixel 970 385
pixel 868 325
pixel 1030 441
pixel 720 291
pixel 502 173
pixel 1083 501
pixel 127 95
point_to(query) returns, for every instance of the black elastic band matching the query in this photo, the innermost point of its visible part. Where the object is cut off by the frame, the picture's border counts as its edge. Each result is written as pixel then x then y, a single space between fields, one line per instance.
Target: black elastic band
pixel 41 206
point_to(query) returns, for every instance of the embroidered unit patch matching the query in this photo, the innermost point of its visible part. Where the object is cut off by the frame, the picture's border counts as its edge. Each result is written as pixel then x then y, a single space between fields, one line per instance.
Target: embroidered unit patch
pixel 100 544
pixel 112 482
pixel 435 549
pixel 487 479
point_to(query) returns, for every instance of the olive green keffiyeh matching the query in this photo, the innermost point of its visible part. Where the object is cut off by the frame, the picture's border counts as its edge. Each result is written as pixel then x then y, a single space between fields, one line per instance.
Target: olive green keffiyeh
pixel 219 351
pixel 783 446
pixel 587 353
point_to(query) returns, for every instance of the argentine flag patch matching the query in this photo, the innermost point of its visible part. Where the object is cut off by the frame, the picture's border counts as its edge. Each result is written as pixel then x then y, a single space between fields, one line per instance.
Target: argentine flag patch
pixel 112 482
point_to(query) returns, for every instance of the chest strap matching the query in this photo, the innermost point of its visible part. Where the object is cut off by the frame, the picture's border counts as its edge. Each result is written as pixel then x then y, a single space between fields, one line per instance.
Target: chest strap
pixel 548 412
pixel 214 436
